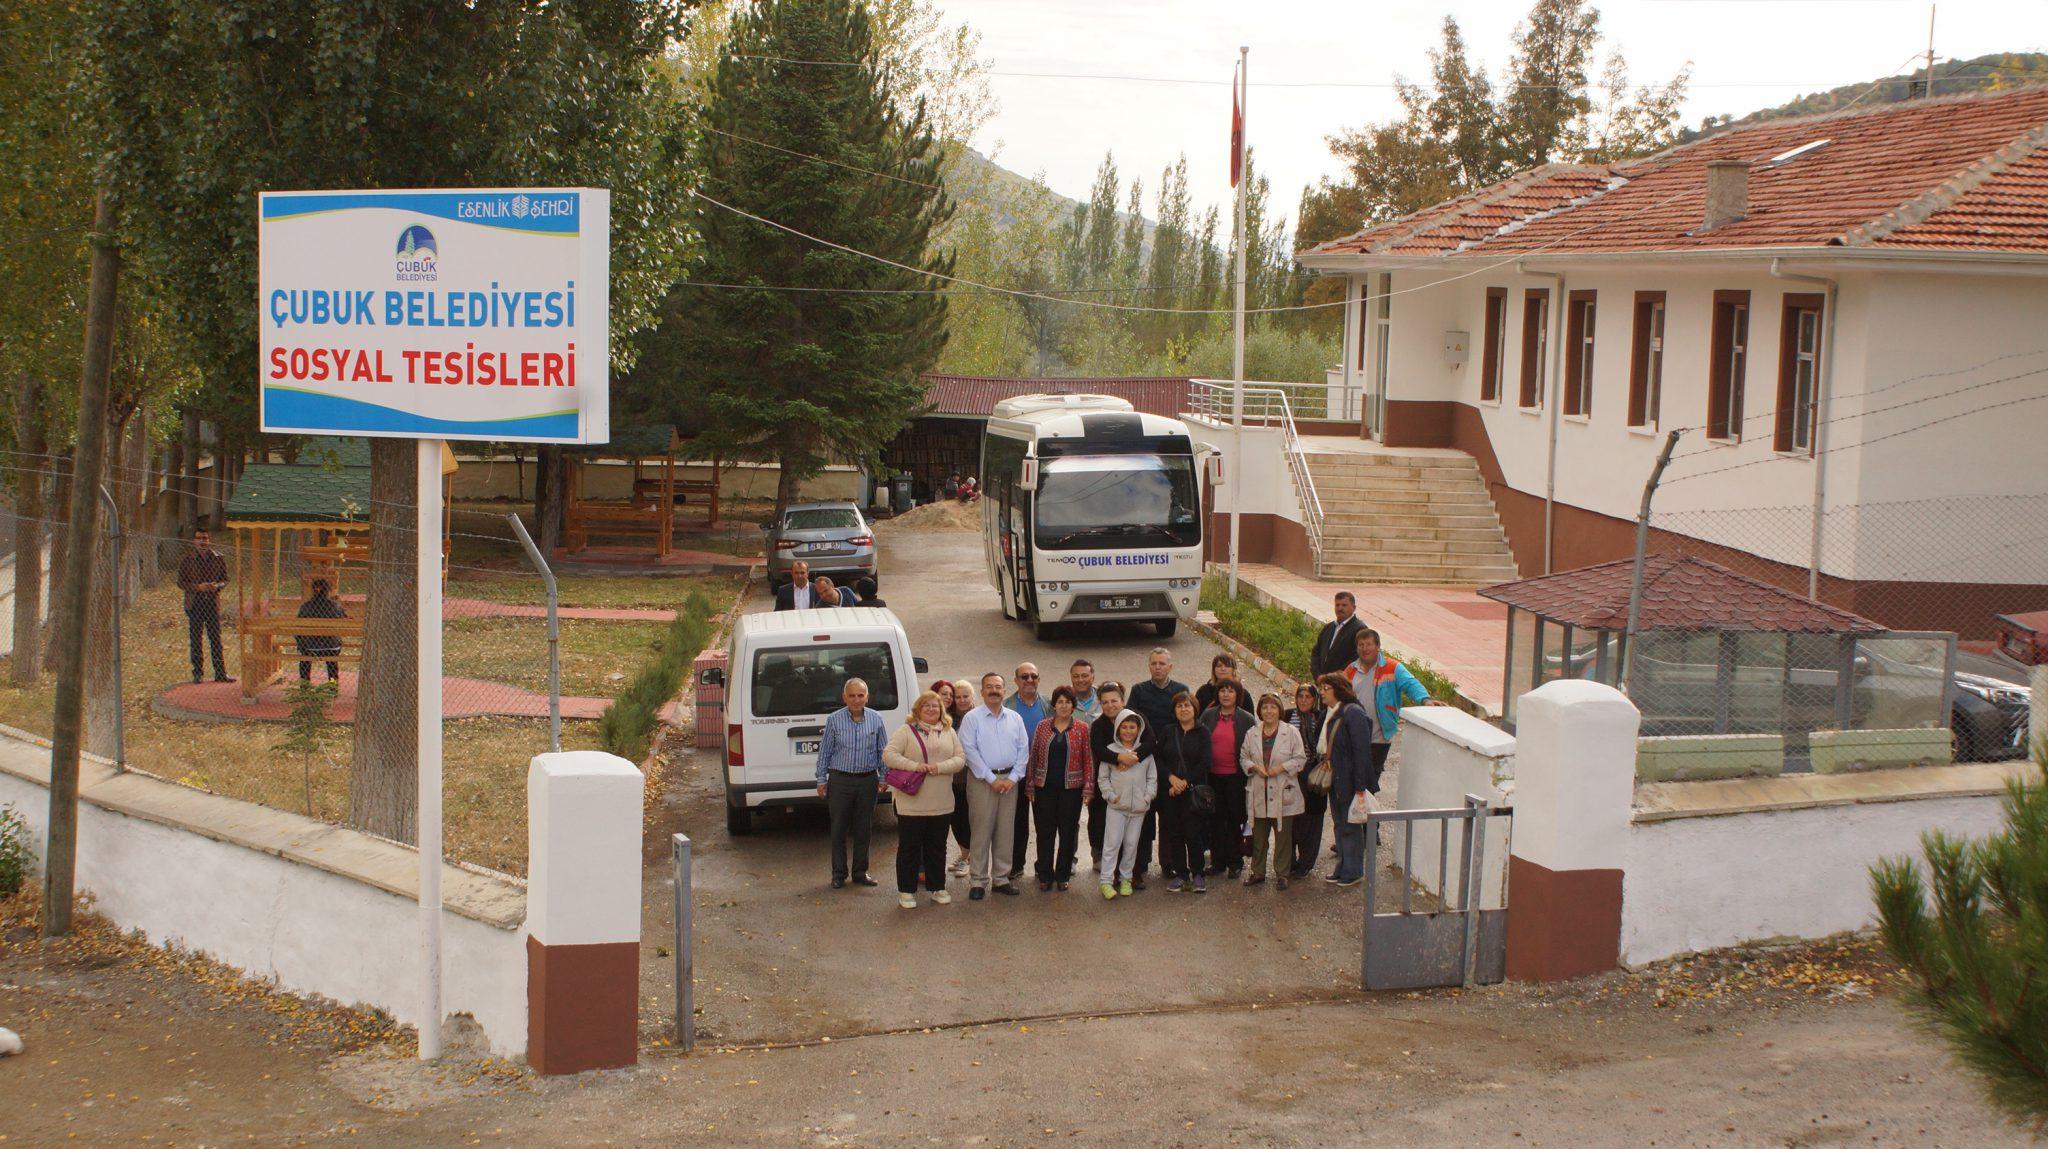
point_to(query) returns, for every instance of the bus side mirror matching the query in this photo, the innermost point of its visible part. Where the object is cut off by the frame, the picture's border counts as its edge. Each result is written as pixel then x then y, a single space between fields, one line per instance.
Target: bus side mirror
pixel 1028 480
pixel 1213 466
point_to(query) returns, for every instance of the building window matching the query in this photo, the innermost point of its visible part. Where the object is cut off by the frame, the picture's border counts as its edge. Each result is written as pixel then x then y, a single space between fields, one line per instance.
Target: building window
pixel 1798 372
pixel 1578 353
pixel 1364 319
pixel 1535 344
pixel 1382 340
pixel 1646 360
pixel 1729 365
pixel 1495 348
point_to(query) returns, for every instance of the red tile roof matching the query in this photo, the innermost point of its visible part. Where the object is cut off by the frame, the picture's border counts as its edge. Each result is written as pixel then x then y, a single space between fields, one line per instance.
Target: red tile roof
pixel 977 395
pixel 1963 173
pixel 1680 592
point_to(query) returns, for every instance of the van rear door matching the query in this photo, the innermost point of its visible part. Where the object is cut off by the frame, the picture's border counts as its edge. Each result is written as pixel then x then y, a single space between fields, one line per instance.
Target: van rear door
pixel 792 689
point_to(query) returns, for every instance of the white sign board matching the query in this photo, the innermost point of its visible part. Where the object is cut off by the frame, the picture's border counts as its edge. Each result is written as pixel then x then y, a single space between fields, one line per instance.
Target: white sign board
pixel 447 314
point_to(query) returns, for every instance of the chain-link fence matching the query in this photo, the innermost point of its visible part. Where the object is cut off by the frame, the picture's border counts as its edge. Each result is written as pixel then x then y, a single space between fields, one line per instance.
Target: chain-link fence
pixel 1909 593
pixel 308 702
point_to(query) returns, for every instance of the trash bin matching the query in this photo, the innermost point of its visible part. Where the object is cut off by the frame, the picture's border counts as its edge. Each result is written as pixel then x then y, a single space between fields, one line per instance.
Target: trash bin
pixel 899 492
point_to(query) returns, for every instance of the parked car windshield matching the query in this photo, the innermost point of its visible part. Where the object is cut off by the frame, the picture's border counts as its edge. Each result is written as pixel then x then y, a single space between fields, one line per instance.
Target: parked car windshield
pixel 810 680
pixel 1112 501
pixel 822 519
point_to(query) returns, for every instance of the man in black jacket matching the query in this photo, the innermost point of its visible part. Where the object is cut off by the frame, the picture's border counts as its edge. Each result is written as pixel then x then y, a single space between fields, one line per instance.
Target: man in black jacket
pixel 1337 645
pixel 201 575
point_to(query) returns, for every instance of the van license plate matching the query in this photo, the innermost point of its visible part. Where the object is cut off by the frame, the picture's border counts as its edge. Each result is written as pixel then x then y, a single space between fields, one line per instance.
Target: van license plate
pixel 807 746
pixel 1117 604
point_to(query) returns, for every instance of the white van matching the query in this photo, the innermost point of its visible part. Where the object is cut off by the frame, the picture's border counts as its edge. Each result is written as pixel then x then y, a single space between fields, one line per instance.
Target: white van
pixel 785 673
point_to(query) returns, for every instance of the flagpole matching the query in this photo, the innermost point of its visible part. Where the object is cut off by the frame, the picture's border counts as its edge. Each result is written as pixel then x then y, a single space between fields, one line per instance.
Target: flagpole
pixel 1237 319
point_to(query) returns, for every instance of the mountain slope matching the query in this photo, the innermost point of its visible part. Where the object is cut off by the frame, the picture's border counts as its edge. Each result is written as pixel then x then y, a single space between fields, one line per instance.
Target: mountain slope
pixel 1951 77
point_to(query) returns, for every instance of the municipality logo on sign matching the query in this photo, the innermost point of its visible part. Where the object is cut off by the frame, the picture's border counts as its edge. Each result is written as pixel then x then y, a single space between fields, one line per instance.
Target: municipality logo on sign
pixel 520 206
pixel 419 257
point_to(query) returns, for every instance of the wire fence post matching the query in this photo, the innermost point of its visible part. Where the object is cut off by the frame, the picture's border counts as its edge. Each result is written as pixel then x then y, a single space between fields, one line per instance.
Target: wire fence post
pixel 686 971
pixel 120 699
pixel 547 578
pixel 1635 582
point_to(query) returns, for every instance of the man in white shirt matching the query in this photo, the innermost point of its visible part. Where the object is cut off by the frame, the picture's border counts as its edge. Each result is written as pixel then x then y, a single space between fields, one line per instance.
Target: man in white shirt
pixel 997 748
pixel 798 594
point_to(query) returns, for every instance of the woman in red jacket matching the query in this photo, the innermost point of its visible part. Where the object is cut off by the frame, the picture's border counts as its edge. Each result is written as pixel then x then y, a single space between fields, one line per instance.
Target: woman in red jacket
pixel 1059 782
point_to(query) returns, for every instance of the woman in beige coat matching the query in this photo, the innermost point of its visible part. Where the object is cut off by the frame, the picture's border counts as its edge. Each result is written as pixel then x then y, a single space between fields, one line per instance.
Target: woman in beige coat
pixel 1272 759
pixel 924 746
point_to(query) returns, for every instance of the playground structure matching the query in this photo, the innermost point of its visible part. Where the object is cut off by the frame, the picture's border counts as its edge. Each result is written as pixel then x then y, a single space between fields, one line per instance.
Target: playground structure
pixel 296 524
pixel 646 510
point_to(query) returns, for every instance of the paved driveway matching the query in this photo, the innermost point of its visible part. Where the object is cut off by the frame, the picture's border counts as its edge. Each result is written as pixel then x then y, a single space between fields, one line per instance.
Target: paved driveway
pixel 782 956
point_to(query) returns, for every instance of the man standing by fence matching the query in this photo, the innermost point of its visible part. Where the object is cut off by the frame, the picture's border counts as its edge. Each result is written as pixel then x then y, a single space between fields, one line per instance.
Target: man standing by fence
pixel 202 575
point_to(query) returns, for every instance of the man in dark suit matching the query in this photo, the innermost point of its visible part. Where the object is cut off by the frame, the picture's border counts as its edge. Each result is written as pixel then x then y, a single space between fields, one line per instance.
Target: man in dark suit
pixel 1337 645
pixel 796 594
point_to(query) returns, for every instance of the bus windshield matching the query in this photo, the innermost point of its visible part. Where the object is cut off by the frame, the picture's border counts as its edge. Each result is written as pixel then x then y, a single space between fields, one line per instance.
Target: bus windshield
pixel 1107 501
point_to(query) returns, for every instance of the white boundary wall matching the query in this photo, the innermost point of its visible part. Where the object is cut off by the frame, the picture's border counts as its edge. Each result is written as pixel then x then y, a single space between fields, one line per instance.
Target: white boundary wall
pixel 309 906
pixel 1445 755
pixel 1700 883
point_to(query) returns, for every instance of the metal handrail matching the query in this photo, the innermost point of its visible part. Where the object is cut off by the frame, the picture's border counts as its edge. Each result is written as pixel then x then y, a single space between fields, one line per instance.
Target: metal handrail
pixel 1266 404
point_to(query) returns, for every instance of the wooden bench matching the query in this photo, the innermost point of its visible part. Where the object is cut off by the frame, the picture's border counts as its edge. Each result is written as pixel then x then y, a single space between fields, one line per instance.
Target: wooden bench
pixel 589 518
pixel 270 646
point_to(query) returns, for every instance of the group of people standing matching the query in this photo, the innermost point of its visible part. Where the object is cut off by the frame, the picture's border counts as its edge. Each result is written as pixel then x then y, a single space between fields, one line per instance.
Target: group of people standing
pixel 1221 783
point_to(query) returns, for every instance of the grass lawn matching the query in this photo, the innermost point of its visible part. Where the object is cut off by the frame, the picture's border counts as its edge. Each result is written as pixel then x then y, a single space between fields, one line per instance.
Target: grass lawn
pixel 660 592
pixel 485 759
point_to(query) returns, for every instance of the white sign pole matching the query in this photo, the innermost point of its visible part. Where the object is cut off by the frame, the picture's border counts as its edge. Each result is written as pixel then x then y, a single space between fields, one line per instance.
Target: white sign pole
pixel 1237 323
pixel 428 576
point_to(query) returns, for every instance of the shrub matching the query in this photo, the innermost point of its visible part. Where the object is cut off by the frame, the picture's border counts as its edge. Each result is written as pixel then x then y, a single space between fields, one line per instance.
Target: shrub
pixel 1978 960
pixel 1285 636
pixel 15 858
pixel 627 726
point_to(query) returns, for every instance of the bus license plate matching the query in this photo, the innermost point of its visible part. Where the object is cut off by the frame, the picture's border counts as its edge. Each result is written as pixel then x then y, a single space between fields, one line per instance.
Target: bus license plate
pixel 807 746
pixel 1118 604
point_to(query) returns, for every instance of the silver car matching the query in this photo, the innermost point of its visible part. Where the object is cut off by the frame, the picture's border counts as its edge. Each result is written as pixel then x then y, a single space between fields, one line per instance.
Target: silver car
pixel 832 537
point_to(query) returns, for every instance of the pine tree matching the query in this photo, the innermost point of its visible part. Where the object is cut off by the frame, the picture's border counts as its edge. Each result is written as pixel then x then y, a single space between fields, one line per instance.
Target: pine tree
pixel 807 377
pixel 1979 961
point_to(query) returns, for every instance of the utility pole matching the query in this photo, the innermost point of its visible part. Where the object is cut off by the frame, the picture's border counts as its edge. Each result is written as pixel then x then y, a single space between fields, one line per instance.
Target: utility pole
pixel 1243 178
pixel 1930 51
pixel 74 594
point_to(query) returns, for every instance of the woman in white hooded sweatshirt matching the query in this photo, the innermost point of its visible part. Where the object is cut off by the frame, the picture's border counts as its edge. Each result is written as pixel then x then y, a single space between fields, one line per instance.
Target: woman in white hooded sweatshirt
pixel 1129 794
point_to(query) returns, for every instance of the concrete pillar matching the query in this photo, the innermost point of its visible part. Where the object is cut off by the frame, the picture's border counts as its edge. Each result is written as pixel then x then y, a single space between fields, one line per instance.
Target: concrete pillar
pixel 1575 755
pixel 2037 719
pixel 582 912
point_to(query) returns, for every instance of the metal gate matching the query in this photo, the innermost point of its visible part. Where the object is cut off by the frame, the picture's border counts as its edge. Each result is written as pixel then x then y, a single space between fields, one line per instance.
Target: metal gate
pixel 1453 939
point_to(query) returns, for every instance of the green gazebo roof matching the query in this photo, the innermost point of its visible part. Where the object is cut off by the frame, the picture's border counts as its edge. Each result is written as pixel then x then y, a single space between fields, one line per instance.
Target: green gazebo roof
pixel 643 442
pixel 303 492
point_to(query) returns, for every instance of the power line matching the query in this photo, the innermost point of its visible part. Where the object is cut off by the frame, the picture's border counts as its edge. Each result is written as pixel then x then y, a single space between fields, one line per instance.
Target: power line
pixel 1869 442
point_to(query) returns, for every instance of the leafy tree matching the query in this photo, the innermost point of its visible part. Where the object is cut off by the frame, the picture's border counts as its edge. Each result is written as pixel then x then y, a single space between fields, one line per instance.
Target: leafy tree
pixel 805 377
pixel 200 104
pixel 1979 960
pixel 1461 133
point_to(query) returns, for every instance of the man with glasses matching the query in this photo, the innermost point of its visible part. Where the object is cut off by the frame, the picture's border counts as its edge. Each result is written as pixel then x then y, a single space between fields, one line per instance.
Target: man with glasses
pixel 1031 707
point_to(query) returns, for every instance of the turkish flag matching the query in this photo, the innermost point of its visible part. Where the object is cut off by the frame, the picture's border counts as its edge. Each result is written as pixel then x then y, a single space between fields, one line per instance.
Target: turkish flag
pixel 1236 129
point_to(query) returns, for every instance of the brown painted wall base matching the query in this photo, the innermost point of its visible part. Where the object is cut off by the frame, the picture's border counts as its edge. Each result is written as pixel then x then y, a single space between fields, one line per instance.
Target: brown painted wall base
pixel 1562 923
pixel 582 1006
pixel 1262 538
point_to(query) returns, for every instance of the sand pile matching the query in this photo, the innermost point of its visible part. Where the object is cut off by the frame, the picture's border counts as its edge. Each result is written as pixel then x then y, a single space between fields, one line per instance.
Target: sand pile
pixel 951 515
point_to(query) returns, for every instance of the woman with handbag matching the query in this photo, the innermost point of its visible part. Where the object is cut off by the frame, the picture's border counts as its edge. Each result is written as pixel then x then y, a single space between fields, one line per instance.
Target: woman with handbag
pixel 1307 720
pixel 1059 782
pixel 1272 758
pixel 920 748
pixel 1227 723
pixel 1186 798
pixel 1353 773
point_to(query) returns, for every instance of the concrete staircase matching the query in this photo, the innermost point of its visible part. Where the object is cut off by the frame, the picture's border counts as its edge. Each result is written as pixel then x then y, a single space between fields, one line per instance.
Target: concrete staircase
pixel 1408 518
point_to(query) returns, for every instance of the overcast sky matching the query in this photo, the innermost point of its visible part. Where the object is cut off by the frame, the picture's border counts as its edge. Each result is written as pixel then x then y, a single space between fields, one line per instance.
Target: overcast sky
pixel 1745 54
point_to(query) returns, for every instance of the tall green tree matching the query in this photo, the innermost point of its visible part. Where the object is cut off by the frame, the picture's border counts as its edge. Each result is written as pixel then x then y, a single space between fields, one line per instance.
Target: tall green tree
pixel 1461 132
pixel 199 104
pixel 806 377
pixel 1972 933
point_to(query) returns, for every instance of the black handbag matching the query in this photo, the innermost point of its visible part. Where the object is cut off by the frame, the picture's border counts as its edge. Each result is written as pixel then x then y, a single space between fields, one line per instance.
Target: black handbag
pixel 1204 798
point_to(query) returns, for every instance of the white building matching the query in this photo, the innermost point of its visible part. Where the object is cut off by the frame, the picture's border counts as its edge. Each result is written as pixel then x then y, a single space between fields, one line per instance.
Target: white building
pixel 1847 314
